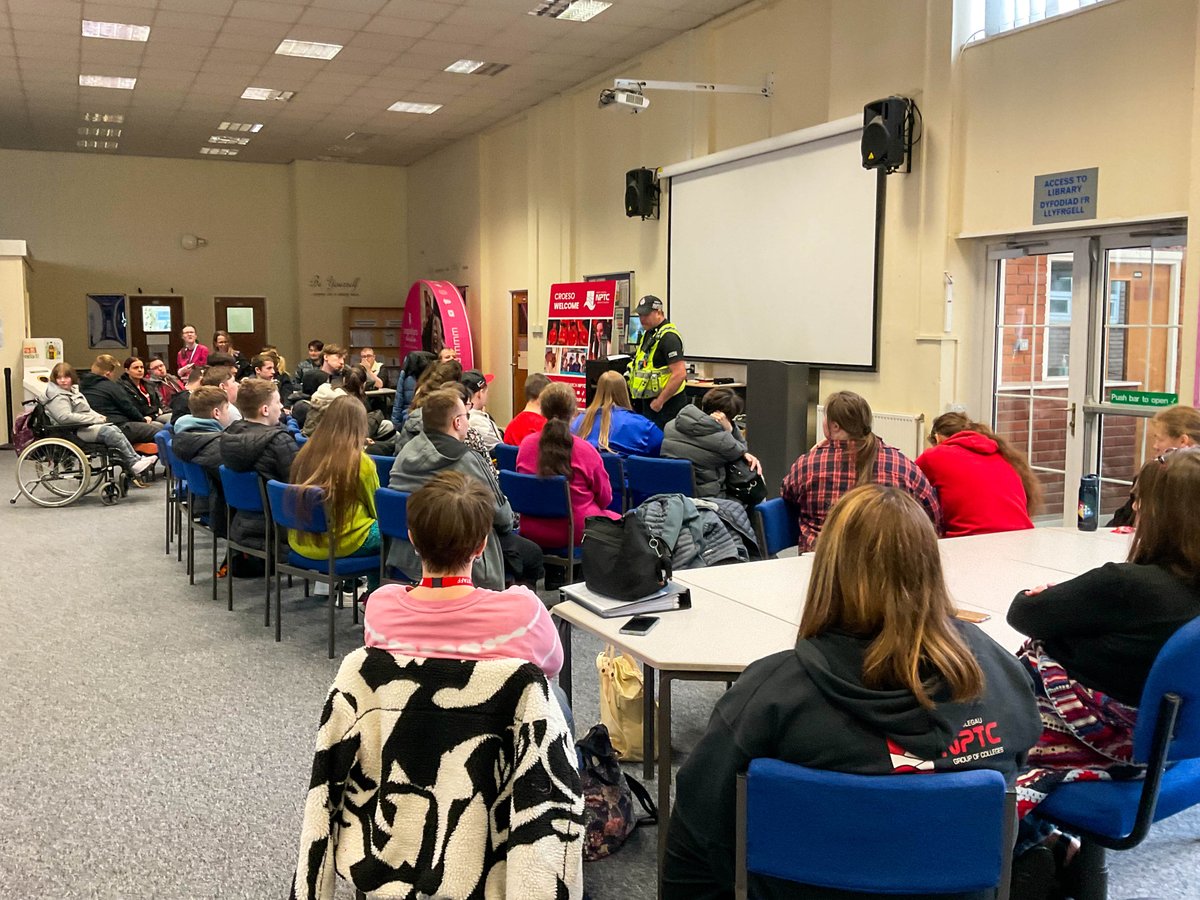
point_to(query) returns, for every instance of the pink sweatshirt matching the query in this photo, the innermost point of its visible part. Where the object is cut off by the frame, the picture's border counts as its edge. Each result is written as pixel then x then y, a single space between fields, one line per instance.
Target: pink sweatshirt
pixel 511 624
pixel 591 492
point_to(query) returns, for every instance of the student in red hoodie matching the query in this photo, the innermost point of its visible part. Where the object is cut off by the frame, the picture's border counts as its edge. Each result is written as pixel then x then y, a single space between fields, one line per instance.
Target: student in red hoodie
pixel 984 484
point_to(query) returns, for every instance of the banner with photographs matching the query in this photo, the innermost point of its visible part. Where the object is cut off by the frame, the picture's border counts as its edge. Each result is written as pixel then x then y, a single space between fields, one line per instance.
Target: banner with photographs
pixel 579 328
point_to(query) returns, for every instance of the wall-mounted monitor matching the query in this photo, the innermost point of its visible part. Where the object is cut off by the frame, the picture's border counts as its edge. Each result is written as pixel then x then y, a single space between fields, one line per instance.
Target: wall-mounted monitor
pixel 156 319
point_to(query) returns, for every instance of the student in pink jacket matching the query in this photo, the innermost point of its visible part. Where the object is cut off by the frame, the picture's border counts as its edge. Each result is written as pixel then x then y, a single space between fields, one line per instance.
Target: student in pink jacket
pixel 555 451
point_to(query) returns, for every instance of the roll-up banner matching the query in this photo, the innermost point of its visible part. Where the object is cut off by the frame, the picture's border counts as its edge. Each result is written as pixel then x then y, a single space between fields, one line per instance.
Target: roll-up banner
pixel 579 328
pixel 435 316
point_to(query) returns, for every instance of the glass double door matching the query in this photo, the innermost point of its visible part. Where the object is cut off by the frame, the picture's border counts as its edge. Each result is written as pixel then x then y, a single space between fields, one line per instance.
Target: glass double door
pixel 1079 319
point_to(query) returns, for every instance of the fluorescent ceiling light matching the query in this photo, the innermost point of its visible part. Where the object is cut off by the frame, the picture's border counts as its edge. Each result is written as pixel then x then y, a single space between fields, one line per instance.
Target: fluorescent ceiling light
pixel 100 132
pixel 252 127
pixel 115 31
pixel 424 109
pixel 228 139
pixel 308 49
pixel 218 151
pixel 97 145
pixel 577 11
pixel 465 66
pixel 114 118
pixel 107 81
pixel 257 93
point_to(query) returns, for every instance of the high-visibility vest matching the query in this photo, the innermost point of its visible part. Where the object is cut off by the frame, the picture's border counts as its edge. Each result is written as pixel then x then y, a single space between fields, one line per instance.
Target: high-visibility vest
pixel 646 381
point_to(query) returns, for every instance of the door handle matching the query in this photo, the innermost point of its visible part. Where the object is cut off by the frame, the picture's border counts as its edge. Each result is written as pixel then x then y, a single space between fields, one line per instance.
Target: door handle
pixel 1072 421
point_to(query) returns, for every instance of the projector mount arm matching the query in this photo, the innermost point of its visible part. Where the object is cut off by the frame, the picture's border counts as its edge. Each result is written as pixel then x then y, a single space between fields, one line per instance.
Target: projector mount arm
pixel 637 85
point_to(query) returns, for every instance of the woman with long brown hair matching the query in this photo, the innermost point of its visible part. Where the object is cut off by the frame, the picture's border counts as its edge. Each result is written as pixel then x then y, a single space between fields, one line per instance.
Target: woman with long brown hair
pixel 555 451
pixel 609 423
pixel 983 483
pixel 851 455
pixel 333 460
pixel 882 680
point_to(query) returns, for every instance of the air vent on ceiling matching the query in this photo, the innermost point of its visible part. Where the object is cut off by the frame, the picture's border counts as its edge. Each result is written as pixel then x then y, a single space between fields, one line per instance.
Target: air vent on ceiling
pixel 491 69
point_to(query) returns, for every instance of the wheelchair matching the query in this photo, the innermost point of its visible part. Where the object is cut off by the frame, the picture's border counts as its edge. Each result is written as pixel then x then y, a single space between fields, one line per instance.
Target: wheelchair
pixel 57 468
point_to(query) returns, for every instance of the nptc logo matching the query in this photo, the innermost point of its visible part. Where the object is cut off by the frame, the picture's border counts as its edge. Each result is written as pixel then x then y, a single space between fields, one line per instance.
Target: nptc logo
pixel 590 302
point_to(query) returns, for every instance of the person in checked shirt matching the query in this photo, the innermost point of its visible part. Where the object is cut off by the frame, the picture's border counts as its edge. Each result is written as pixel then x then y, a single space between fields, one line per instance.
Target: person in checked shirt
pixel 849 456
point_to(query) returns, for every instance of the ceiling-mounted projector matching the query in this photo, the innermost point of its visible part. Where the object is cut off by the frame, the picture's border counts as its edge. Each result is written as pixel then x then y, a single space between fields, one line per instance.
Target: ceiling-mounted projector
pixel 630 100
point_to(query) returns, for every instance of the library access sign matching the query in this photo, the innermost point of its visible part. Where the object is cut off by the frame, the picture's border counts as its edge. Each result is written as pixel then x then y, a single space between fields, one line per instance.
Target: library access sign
pixel 1065 196
pixel 1156 399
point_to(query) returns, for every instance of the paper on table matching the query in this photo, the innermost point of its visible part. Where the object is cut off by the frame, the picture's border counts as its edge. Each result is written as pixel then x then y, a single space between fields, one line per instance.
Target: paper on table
pixel 672 596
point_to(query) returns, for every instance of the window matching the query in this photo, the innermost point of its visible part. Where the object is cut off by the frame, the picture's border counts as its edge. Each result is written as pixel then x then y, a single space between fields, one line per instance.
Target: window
pixel 985 18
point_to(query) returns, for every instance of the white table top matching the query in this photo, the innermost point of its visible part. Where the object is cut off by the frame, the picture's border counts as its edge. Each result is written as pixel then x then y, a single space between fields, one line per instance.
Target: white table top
pixel 1071 552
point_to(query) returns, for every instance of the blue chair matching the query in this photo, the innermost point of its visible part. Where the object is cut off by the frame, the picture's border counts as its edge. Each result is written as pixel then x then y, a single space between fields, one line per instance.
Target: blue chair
pixel 1116 815
pixel 162 440
pixel 777 526
pixel 244 492
pixel 288 511
pixel 545 498
pixel 505 456
pixel 391 511
pixel 177 487
pixel 616 476
pixel 383 464
pixel 198 487
pixel 867 840
pixel 647 476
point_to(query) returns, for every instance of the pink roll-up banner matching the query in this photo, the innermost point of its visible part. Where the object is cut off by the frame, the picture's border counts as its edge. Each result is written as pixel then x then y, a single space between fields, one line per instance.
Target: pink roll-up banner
pixel 579 327
pixel 435 316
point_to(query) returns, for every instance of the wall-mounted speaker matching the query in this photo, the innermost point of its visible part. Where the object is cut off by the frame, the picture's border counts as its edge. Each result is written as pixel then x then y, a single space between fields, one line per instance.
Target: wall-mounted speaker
pixel 641 194
pixel 887 133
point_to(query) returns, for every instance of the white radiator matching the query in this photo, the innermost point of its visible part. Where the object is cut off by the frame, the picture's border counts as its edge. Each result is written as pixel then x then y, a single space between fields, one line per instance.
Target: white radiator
pixel 903 431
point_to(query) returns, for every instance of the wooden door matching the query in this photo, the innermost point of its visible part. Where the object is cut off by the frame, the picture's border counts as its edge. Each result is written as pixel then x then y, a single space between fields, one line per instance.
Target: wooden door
pixel 245 318
pixel 520 348
pixel 154 326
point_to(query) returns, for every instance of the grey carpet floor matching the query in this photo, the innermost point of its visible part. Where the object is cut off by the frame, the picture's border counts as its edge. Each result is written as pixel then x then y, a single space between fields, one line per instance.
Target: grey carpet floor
pixel 156 745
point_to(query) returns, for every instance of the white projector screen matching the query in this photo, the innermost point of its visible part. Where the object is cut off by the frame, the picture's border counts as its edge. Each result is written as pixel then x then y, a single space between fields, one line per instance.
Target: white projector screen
pixel 772 256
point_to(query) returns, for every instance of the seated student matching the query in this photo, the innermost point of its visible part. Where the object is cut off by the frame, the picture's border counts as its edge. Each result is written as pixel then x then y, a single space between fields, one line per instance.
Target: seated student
pixel 851 455
pixel 333 460
pixel 983 483
pixel 448 616
pixel 266 367
pixel 439 447
pixel 198 439
pixel 882 680
pixel 313 362
pixel 257 443
pixel 610 423
pixel 224 378
pixel 708 437
pixel 143 392
pixel 333 363
pixel 66 405
pixel 529 420
pixel 163 381
pixel 1093 638
pixel 414 367
pixel 106 396
pixel 380 431
pixel 439 375
pixel 223 344
pixel 482 424
pixel 179 403
pixel 1170 429
pixel 555 451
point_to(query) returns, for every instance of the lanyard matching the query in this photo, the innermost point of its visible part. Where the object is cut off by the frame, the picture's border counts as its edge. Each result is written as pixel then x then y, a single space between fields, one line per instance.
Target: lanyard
pixel 448 581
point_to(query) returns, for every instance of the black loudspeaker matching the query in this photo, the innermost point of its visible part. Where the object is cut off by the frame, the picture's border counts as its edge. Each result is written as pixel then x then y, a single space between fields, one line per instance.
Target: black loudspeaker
pixel 594 368
pixel 641 194
pixel 886 135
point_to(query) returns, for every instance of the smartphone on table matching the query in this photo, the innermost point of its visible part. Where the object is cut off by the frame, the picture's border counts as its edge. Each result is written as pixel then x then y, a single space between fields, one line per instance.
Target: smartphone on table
pixel 639 625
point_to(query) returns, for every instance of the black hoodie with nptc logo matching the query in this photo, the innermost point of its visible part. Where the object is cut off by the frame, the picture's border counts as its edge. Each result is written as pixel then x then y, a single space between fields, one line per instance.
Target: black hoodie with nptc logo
pixel 809 706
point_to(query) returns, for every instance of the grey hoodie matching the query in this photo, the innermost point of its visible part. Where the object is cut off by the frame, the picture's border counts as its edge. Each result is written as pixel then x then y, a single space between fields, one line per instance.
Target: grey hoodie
pixel 696 436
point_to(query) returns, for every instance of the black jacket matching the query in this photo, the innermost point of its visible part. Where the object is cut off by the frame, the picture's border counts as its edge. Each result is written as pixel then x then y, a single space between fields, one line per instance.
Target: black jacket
pixel 151 408
pixel 809 706
pixel 254 447
pixel 696 436
pixel 109 399
pixel 179 406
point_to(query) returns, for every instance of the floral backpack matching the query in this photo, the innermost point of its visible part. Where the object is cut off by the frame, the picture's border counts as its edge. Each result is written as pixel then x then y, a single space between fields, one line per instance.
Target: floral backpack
pixel 608 797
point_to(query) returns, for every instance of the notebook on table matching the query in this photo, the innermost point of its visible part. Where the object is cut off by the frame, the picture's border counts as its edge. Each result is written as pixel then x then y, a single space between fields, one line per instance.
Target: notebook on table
pixel 672 596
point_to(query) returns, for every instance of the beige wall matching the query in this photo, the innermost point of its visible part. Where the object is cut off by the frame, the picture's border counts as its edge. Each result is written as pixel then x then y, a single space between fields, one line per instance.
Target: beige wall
pixel 14 274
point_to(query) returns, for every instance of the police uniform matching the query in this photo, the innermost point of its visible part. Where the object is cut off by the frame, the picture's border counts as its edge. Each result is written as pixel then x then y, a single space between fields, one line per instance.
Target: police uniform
pixel 650 370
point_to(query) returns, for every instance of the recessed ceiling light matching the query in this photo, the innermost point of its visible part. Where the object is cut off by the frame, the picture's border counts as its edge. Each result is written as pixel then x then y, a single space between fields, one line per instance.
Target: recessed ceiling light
pixel 424 109
pixel 465 66
pixel 97 145
pixel 100 132
pixel 257 93
pixel 218 151
pixel 577 11
pixel 114 118
pixel 308 49
pixel 115 31
pixel 252 127
pixel 228 139
pixel 107 81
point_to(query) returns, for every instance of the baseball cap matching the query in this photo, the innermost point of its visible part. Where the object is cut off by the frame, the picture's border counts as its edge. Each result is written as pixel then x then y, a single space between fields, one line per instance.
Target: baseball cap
pixel 647 304
pixel 475 380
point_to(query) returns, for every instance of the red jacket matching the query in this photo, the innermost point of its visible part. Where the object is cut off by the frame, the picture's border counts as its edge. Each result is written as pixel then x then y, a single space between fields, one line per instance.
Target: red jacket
pixel 979 491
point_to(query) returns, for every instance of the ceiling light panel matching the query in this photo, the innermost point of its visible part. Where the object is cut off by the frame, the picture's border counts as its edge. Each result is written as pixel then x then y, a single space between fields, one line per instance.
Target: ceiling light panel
pixel 100 132
pixel 258 93
pixel 424 109
pixel 228 139
pixel 97 145
pixel 218 151
pixel 113 118
pixel 116 31
pixel 107 81
pixel 308 49
pixel 576 11
pixel 252 127
pixel 465 66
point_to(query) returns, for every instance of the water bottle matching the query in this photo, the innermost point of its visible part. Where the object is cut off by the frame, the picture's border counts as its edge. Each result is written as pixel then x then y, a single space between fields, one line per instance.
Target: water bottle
pixel 1089 502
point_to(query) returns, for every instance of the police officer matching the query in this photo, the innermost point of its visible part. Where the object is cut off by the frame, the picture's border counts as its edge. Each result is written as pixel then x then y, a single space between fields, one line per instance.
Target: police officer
pixel 658 372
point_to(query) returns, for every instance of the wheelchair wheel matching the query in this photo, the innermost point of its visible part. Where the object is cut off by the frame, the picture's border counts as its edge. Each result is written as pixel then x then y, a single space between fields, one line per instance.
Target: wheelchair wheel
pixel 58 466
pixel 110 493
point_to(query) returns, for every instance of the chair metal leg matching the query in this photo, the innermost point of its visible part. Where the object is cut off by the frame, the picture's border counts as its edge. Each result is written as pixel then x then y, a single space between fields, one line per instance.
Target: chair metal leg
pixel 213 570
pixel 278 614
pixel 1091 868
pixel 191 551
pixel 332 585
pixel 167 513
pixel 267 578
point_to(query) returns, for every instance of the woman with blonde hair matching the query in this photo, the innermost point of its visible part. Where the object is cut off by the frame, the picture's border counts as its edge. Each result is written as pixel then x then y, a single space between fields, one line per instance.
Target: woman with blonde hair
pixel 882 680
pixel 851 455
pixel 333 460
pixel 609 423
pixel 1174 428
pixel 983 483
